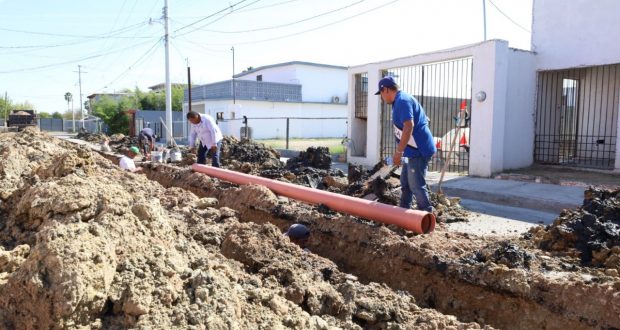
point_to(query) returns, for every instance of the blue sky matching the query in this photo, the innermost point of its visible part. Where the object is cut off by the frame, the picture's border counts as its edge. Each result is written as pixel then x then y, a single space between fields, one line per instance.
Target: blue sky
pixel 118 43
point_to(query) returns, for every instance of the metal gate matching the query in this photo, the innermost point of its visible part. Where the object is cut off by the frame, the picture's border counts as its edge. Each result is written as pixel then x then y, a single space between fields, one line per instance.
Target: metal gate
pixel 443 89
pixel 576 117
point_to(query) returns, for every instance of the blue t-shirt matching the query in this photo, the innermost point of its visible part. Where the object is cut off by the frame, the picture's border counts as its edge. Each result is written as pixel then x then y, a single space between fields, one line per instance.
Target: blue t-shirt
pixel 406 107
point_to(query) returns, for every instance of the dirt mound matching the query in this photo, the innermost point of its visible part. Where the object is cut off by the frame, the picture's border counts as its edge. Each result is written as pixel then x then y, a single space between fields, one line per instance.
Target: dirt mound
pixel 256 154
pixel 592 231
pixel 92 137
pixel 86 245
pixel 317 157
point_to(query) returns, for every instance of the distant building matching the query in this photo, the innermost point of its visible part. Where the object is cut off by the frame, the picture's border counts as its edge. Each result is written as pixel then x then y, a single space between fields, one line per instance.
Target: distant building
pixel 269 94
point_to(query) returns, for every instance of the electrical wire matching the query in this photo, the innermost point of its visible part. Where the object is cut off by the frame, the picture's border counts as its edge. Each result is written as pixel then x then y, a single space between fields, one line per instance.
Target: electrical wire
pixel 219 18
pixel 77 42
pixel 291 23
pixel 135 65
pixel 35 68
pixel 267 6
pixel 508 17
pixel 315 28
pixel 101 36
pixel 209 16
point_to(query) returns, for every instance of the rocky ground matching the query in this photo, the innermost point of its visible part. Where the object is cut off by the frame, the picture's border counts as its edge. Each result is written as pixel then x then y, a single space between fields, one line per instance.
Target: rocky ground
pixel 86 245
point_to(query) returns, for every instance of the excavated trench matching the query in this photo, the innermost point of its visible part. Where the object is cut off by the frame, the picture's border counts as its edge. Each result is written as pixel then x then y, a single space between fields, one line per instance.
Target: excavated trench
pixel 485 280
pixel 87 245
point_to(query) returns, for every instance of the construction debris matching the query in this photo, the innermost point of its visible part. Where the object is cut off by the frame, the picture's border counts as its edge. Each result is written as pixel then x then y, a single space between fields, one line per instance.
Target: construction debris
pixel 591 232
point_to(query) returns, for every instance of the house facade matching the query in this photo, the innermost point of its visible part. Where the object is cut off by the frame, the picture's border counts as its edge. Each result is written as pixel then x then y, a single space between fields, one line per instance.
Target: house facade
pixel 294 99
pixel 494 108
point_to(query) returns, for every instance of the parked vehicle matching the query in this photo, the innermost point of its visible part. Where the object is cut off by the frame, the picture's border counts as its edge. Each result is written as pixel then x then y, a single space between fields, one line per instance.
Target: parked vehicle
pixel 22 119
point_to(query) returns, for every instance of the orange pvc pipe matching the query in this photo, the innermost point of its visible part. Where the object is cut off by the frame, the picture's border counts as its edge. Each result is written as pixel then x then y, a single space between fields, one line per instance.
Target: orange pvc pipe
pixel 417 221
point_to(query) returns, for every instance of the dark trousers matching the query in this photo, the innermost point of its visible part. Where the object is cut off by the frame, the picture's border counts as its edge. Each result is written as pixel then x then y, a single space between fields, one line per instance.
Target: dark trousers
pixel 204 152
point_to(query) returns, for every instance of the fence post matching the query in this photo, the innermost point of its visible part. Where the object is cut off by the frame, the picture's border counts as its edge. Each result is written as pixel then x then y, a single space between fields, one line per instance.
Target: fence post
pixel 287 129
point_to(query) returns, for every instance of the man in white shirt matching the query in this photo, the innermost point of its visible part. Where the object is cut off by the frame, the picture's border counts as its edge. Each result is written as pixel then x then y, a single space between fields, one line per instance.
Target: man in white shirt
pixel 126 161
pixel 206 130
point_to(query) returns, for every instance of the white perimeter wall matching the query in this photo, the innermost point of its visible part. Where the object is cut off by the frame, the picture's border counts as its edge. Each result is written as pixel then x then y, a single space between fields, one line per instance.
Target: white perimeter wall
pixel 502 130
pixel 276 128
pixel 318 84
pixel 573 33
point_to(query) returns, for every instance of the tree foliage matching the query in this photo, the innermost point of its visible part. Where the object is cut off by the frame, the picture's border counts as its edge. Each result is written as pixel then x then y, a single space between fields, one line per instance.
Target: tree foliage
pixel 113 111
pixel 7 105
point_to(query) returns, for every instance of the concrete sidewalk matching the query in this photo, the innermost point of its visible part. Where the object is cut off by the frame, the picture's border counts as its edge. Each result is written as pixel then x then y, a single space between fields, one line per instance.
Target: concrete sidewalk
pixel 535 196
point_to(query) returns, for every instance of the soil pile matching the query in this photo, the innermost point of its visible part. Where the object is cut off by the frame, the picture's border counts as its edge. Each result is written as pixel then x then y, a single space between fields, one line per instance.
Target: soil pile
pixel 86 245
pixel 91 137
pixel 591 232
pixel 317 157
pixel 248 157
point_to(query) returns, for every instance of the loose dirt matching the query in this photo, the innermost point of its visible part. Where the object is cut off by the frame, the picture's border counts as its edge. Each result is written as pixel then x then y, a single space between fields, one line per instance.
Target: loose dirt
pixel 86 245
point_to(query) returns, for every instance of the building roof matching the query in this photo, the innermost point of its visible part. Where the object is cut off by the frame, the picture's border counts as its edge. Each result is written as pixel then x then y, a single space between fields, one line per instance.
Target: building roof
pixel 287 64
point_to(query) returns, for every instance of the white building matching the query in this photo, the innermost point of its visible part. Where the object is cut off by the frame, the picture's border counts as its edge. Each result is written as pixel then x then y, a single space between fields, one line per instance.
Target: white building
pixel 298 99
pixel 558 104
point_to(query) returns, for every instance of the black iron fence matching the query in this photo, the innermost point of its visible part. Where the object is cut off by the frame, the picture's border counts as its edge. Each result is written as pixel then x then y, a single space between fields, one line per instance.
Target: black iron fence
pixel 444 91
pixel 577 117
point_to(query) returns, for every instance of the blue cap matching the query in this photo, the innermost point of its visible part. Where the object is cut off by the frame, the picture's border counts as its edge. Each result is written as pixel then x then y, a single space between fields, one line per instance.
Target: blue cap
pixel 298 231
pixel 386 82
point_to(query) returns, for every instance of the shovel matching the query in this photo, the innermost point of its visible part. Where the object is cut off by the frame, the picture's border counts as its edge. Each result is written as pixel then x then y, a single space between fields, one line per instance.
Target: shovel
pixel 451 150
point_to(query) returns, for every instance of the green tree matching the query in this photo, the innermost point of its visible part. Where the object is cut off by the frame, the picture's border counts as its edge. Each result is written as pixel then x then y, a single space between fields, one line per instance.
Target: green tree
pixel 44 115
pixel 157 100
pixel 113 113
pixel 57 115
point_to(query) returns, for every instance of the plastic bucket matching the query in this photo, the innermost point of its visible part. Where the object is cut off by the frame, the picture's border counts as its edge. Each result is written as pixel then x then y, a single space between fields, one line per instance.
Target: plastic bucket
pixel 156 157
pixel 175 156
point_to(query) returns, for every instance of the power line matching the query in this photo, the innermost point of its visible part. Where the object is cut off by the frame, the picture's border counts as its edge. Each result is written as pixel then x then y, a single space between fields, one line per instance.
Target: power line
pixel 315 28
pixel 73 43
pixel 508 17
pixel 267 6
pixel 71 61
pixel 101 36
pixel 135 64
pixel 291 23
pixel 209 16
pixel 219 18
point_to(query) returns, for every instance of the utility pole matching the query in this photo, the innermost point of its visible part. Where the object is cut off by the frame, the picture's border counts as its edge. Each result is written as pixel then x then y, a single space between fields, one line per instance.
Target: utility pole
pixel 6 108
pixel 69 99
pixel 484 18
pixel 168 86
pixel 80 82
pixel 189 97
pixel 234 90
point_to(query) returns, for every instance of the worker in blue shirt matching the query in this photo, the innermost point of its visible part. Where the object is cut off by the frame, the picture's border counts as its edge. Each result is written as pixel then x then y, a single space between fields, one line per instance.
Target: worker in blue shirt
pixel 415 145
